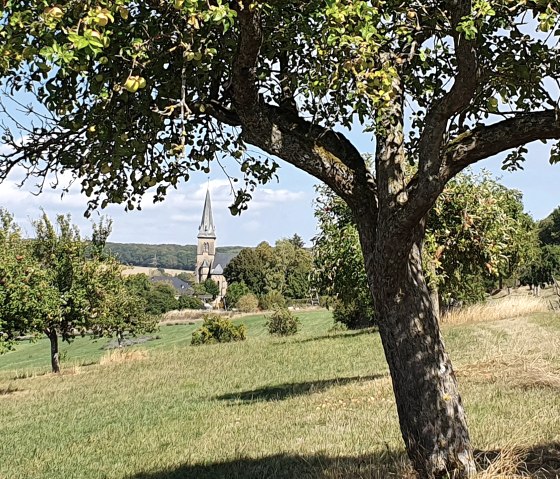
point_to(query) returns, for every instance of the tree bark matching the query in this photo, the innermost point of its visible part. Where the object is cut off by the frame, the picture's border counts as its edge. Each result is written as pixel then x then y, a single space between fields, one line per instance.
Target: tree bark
pixel 431 415
pixel 55 356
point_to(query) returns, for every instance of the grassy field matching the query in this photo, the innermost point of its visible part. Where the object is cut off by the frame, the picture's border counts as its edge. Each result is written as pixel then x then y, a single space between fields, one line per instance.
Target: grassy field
pixel 318 405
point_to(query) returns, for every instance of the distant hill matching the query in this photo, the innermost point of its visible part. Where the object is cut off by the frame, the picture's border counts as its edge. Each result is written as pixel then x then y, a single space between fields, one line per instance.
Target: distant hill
pixel 167 256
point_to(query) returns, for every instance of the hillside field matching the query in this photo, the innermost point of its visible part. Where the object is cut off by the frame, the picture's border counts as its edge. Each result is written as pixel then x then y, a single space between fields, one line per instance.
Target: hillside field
pixel 317 405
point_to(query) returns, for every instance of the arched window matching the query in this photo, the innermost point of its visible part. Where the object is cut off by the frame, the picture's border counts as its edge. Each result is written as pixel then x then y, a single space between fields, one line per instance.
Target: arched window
pixel 206 248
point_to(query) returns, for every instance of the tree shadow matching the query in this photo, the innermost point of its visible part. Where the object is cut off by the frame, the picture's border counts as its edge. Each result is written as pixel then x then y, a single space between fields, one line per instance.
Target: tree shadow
pixel 285 466
pixel 9 391
pixel 538 462
pixel 541 461
pixel 288 390
pixel 338 335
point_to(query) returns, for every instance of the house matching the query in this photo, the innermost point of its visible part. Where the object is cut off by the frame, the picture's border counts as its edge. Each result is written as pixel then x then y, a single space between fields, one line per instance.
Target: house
pixel 181 287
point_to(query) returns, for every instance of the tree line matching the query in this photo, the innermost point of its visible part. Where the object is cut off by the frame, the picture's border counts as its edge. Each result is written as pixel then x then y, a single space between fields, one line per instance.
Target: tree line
pixel 167 256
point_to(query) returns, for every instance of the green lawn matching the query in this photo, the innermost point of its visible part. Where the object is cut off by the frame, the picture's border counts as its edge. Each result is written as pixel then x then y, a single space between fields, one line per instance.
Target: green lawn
pixel 317 405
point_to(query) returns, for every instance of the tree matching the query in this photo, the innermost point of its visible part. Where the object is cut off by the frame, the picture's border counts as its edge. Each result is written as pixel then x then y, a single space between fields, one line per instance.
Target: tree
pixel 161 298
pixel 160 89
pixel 86 289
pixel 549 228
pixel 25 293
pixel 234 292
pixel 212 288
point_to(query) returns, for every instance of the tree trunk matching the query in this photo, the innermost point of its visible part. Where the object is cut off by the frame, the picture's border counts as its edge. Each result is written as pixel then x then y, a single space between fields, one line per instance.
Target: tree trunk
pixel 55 357
pixel 431 415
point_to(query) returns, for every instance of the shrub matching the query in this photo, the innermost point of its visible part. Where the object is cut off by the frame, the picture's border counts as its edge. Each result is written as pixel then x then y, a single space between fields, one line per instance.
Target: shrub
pixel 272 300
pixel 283 323
pixel 216 329
pixel 190 302
pixel 248 303
pixel 353 314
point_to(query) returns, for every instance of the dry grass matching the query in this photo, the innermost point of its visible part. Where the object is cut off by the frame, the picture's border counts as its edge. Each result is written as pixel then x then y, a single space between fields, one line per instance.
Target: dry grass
pixel 118 356
pixel 496 309
pixel 187 316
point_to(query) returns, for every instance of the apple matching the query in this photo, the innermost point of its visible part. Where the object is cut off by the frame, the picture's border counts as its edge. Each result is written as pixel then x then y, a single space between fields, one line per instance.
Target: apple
pixel 54 12
pixel 131 84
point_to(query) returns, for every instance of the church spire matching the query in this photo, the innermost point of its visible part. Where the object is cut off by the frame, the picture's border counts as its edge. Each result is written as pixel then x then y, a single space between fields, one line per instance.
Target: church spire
pixel 206 228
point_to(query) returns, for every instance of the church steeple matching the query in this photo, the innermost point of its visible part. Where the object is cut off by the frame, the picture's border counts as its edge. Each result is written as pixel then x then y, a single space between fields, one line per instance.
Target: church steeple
pixel 206 228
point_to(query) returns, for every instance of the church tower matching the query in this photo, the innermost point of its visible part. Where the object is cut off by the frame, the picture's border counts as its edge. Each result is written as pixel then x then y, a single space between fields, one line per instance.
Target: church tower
pixel 206 250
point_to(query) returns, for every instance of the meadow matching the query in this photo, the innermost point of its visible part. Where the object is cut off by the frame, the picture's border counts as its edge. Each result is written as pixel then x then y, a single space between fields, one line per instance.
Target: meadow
pixel 317 405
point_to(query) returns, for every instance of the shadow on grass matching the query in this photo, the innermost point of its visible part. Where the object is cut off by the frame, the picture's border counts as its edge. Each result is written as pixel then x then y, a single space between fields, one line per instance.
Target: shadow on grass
pixel 9 391
pixel 288 390
pixel 283 466
pixel 337 335
pixel 539 462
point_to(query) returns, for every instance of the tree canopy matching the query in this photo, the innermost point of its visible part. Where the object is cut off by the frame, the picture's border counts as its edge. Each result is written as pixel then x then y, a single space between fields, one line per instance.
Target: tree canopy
pixel 140 94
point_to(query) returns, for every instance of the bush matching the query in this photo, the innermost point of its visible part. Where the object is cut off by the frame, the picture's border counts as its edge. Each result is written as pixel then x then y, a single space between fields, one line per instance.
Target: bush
pixel 272 300
pixel 190 302
pixel 247 303
pixel 283 323
pixel 216 329
pixel 353 315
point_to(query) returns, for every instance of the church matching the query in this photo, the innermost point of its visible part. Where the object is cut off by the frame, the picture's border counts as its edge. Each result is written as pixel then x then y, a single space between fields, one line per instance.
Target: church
pixel 209 263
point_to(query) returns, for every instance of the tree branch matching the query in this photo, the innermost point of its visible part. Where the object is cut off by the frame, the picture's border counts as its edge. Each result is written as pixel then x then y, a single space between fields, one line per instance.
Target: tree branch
pixel 456 99
pixel 486 141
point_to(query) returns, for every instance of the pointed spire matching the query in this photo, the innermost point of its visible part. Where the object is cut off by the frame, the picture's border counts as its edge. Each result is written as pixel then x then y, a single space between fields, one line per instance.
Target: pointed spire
pixel 206 228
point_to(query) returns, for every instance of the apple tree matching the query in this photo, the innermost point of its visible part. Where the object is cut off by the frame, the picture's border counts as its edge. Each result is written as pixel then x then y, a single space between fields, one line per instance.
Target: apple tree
pixel 140 94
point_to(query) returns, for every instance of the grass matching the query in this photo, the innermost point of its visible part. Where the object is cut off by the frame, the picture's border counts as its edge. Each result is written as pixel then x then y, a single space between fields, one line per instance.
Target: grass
pixel 317 405
pixel 494 310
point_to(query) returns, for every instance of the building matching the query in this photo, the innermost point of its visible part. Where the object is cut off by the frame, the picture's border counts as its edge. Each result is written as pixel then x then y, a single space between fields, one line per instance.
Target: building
pixel 181 287
pixel 209 263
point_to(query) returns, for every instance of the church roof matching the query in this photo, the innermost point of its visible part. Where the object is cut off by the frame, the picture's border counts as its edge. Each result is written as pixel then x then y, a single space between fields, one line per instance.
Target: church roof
pixel 220 262
pixel 206 228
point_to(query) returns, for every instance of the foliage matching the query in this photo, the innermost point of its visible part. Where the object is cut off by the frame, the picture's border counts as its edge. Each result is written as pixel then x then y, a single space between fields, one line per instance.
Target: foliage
pixel 549 228
pixel 248 303
pixel 212 288
pixel 161 298
pixel 354 314
pixel 284 268
pixel 476 233
pixel 189 302
pixel 187 277
pixel 272 300
pixel 544 267
pixel 234 292
pixel 283 323
pixel 25 293
pixel 168 256
pixel 338 328
pixel 216 329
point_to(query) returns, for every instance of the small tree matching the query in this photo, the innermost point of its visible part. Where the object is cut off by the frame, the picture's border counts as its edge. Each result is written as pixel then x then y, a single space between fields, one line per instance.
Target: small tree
pixel 248 303
pixel 212 288
pixel 161 298
pixel 234 292
pixel 190 302
pixel 216 329
pixel 283 323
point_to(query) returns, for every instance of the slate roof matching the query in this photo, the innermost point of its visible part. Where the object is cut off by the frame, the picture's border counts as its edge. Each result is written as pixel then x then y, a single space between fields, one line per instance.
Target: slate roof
pixel 182 287
pixel 221 260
